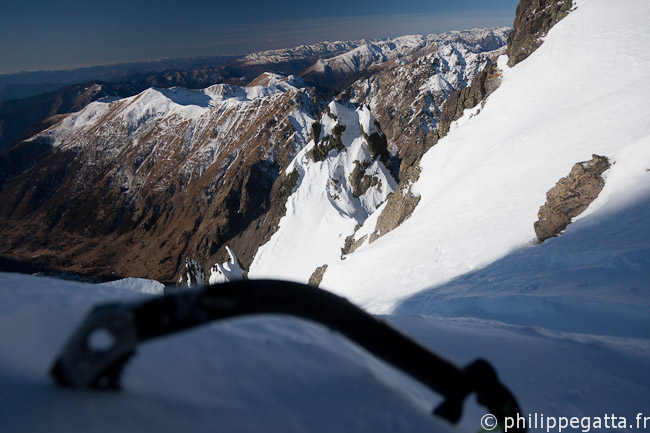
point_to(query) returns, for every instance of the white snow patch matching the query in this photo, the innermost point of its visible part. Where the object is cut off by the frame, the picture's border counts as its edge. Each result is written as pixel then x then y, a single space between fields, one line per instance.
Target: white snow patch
pixel 141 285
pixel 228 271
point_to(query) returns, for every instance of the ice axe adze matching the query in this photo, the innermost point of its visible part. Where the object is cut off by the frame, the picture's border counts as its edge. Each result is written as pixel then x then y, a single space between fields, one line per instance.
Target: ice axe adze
pixel 96 352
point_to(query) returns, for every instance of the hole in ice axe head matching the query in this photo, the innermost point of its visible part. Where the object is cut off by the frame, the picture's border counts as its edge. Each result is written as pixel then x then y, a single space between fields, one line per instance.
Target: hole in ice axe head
pixel 95 353
pixel 100 340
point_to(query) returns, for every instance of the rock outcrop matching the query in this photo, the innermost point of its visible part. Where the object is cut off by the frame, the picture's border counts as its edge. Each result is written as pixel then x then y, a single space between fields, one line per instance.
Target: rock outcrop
pixel 485 82
pixel 533 20
pixel 192 274
pixel 399 206
pixel 317 276
pixel 570 197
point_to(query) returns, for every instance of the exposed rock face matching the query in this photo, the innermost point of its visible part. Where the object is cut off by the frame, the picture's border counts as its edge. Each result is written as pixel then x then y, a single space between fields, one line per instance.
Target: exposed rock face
pixel 570 197
pixel 402 202
pixel 378 145
pixel 317 276
pixel 360 181
pixel 485 82
pixel 134 185
pixel 533 20
pixel 192 274
pixel 351 245
pixel 399 206
pixel 327 143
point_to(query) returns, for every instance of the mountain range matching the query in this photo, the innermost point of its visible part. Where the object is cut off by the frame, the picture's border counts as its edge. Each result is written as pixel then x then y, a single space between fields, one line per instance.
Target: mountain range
pixel 23 107
pixel 136 185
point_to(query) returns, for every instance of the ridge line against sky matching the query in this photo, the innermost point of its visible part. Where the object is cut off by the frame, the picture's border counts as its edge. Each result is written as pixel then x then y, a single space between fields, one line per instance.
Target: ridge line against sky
pixel 37 35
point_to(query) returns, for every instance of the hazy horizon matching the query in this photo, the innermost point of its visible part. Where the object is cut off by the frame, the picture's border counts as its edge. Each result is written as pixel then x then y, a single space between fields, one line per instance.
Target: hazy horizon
pixel 39 36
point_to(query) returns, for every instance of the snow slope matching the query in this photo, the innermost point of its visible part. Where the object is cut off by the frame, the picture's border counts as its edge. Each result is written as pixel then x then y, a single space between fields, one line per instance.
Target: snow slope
pixel 482 185
pixel 594 278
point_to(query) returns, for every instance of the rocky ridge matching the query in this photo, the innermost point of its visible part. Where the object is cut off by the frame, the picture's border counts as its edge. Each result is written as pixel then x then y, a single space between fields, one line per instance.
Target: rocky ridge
pixel 22 118
pixel 342 180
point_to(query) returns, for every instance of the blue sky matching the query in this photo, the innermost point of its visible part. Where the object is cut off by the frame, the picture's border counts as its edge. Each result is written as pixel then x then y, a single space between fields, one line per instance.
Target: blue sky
pixel 36 34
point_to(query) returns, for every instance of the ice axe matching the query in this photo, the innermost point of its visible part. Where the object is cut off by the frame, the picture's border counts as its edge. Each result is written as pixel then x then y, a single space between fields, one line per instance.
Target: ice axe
pixel 97 351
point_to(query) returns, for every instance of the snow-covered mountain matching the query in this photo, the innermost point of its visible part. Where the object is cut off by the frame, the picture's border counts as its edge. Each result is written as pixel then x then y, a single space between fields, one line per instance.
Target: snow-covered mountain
pixel 354 56
pixel 135 186
pixel 342 179
pixel 168 161
pixel 320 50
pixel 407 98
pixel 340 70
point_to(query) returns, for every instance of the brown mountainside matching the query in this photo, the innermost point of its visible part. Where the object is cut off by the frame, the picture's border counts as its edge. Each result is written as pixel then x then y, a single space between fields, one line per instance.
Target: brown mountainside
pixel 132 191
